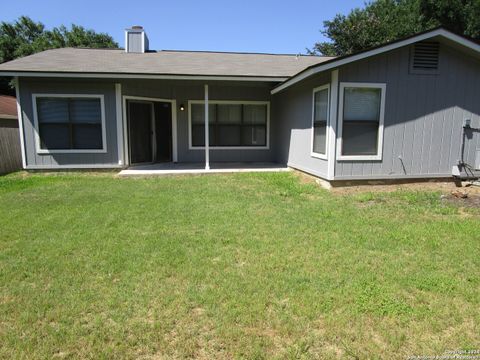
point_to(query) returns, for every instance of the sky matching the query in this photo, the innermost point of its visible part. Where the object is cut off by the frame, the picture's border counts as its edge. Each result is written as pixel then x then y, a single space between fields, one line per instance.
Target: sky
pixel 270 26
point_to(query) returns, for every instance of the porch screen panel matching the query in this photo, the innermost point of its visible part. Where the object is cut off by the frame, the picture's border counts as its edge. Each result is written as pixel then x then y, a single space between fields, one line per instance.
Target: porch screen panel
pixel 69 123
pixel 361 120
pixel 230 125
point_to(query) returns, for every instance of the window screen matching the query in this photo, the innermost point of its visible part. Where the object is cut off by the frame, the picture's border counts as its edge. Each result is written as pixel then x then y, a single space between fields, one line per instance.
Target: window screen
pixel 361 120
pixel 198 122
pixel 69 123
pixel 320 118
pixel 230 125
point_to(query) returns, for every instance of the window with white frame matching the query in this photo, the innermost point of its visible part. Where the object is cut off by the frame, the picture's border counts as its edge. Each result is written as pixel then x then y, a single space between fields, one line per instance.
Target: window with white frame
pixel 69 123
pixel 233 124
pixel 320 120
pixel 361 121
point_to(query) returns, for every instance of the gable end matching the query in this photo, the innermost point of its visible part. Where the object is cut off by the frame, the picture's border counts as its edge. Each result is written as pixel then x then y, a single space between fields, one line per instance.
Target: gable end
pixel 425 58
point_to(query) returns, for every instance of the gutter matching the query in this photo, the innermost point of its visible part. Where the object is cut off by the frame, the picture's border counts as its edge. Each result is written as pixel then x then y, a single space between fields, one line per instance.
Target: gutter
pixel 15 73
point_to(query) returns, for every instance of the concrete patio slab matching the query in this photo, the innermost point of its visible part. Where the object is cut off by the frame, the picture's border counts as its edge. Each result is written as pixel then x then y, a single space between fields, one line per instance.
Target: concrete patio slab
pixel 199 168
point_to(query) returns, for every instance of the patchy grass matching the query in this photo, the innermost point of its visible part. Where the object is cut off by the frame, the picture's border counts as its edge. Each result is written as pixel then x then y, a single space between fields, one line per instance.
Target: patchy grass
pixel 232 266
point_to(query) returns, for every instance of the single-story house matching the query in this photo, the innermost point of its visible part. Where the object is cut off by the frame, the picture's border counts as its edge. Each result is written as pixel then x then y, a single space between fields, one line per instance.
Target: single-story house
pixel 10 152
pixel 406 109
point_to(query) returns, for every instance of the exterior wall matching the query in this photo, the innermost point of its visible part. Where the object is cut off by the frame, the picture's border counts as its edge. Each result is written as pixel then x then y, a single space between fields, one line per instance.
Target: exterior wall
pixel 35 160
pixel 10 151
pixel 293 113
pixel 183 91
pixel 424 115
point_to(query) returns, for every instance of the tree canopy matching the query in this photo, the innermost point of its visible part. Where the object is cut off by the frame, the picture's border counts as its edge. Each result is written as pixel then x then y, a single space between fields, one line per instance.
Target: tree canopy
pixel 25 37
pixel 381 21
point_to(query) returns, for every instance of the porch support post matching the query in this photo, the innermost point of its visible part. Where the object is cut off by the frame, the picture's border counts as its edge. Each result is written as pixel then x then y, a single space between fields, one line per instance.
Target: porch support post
pixel 207 142
pixel 332 128
pixel 120 128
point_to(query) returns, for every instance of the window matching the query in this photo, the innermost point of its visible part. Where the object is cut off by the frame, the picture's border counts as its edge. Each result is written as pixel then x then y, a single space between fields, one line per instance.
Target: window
pixel 320 121
pixel 361 125
pixel 231 124
pixel 67 123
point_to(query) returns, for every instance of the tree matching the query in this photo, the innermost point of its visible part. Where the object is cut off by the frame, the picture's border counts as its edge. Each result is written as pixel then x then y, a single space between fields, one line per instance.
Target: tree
pixel 460 16
pixel 25 37
pixel 382 21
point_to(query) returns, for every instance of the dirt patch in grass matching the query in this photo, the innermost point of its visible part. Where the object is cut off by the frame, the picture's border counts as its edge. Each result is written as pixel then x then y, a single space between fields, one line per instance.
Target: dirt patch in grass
pixel 447 189
pixel 471 201
pixel 52 173
pixel 305 178
pixel 444 187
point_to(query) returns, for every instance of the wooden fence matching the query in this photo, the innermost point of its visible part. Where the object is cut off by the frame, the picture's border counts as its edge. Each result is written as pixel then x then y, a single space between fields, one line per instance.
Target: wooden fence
pixel 10 152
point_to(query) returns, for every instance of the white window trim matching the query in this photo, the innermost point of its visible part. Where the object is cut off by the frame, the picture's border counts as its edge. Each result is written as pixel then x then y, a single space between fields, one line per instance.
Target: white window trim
pixel 313 153
pixel 233 102
pixel 69 151
pixel 378 156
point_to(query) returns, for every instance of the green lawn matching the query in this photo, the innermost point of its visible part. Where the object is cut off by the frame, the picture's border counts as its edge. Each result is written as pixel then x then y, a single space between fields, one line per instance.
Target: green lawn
pixel 232 266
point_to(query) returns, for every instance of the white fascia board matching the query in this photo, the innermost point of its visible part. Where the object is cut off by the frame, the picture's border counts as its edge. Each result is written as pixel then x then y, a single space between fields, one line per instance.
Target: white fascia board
pixel 141 76
pixel 334 64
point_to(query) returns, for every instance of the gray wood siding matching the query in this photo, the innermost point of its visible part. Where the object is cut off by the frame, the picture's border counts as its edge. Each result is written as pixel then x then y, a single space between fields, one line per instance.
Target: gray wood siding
pixel 68 86
pixel 183 91
pixel 293 113
pixel 135 42
pixel 424 114
pixel 10 151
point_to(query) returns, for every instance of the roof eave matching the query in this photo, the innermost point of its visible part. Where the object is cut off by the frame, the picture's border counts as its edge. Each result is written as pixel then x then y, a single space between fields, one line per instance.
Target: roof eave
pixel 8 117
pixel 335 63
pixel 23 73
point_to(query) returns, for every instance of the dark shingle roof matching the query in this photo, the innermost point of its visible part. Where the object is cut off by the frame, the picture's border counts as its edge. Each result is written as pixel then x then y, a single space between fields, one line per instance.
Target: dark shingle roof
pixel 164 62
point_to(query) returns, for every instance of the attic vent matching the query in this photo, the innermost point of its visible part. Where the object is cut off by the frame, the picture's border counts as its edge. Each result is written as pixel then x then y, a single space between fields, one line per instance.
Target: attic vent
pixel 425 57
